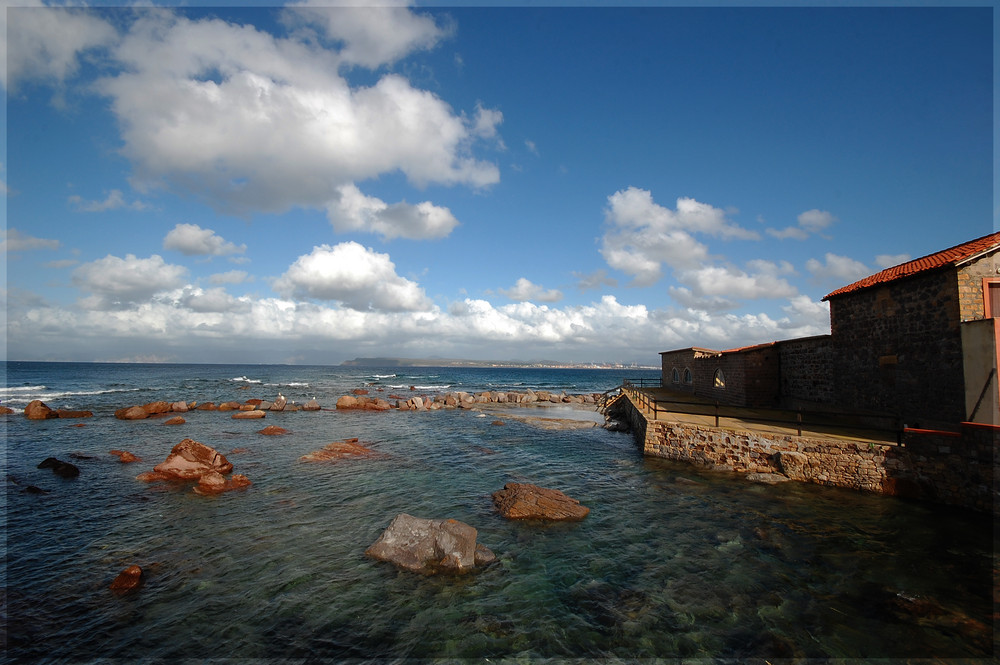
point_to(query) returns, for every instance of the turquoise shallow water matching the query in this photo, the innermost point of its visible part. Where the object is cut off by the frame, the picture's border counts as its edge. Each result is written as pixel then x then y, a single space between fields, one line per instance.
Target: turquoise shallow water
pixel 671 561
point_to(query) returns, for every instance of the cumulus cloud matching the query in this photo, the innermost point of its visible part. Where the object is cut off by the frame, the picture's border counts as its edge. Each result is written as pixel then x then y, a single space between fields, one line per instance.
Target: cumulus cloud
pixel 116 282
pixel 835 268
pixel 47 42
pixel 356 277
pixel 231 277
pixel 354 211
pixel 809 222
pixel 889 260
pixel 192 240
pixel 763 281
pixel 114 201
pixel 208 300
pixel 643 235
pixel 251 122
pixel 524 289
pixel 15 241
pixel 594 280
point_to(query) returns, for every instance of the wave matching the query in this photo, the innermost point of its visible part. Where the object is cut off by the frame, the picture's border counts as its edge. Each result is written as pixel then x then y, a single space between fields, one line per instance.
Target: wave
pixel 415 387
pixel 383 376
pixel 246 380
pixel 28 393
pixel 21 389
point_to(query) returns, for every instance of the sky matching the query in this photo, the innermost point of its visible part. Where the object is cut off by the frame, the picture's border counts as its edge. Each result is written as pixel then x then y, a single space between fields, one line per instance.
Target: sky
pixel 307 184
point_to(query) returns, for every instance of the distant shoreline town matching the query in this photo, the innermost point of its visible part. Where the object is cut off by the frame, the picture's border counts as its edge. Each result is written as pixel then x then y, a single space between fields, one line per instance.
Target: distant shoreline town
pixel 451 362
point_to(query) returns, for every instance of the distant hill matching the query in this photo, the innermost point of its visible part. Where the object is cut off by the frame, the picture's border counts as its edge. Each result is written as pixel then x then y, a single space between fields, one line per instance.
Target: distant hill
pixel 452 362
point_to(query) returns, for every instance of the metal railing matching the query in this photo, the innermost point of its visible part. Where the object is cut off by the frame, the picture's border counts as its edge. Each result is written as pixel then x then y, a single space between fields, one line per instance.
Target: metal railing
pixel 887 427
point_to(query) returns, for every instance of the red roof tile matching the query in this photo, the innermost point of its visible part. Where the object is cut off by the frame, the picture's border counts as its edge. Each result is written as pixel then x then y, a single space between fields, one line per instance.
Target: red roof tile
pixel 946 257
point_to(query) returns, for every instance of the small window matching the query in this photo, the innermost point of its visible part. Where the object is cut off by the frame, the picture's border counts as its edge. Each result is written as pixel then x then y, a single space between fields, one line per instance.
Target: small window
pixel 676 376
pixel 687 376
pixel 720 379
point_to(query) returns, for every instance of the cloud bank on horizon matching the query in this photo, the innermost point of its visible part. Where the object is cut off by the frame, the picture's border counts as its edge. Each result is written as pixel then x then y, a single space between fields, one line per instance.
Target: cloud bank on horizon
pixel 308 183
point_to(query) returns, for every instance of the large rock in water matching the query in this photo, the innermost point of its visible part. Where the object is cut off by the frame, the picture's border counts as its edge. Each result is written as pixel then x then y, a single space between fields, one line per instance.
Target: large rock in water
pixel 430 546
pixel 190 460
pixel 523 501
pixel 39 410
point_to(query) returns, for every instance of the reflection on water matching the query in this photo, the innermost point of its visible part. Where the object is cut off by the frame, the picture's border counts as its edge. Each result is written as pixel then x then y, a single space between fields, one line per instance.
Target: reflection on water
pixel 670 562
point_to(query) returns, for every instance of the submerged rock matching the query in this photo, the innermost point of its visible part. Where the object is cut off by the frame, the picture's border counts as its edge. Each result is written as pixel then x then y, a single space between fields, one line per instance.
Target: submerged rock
pixel 430 546
pixel 272 430
pixel 127 580
pixel 67 413
pixel 125 456
pixel 61 469
pixel 214 483
pixel 348 448
pixel 517 501
pixel 189 460
pixel 767 478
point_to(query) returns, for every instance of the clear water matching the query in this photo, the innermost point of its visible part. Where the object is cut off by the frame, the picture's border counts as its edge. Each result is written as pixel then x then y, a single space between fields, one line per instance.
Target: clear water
pixel 671 561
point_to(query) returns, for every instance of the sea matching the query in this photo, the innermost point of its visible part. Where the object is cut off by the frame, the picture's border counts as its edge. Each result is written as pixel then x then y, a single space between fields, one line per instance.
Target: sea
pixel 673 561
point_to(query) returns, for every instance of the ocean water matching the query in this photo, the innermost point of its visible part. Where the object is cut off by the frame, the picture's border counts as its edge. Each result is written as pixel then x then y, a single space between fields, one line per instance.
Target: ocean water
pixel 671 562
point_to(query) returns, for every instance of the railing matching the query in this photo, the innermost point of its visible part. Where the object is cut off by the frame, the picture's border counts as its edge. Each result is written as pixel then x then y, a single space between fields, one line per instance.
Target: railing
pixel 797 420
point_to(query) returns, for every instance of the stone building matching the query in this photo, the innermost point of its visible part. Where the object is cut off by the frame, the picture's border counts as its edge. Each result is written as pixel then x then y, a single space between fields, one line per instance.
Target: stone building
pixel 917 341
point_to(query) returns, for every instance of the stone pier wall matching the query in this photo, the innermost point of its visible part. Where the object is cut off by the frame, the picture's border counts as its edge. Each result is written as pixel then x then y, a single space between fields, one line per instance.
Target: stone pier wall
pixel 957 469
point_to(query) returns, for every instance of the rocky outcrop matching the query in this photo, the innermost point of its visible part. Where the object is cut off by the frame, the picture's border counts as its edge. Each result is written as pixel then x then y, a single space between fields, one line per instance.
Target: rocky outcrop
pixel 124 456
pixel 216 483
pixel 523 501
pixel 131 413
pixel 6 410
pixel 338 450
pixel 190 460
pixel 311 405
pixel 176 420
pixel 39 410
pixel 430 546
pixel 61 469
pixel 272 430
pixel 127 580
pixel 279 403
pixel 67 413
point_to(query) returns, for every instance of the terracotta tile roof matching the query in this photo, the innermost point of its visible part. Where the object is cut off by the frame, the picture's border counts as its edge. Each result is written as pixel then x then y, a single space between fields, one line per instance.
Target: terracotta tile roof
pixel 946 257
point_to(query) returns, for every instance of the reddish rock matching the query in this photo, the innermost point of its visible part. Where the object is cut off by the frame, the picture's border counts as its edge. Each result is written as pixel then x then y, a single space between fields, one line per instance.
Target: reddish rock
pixel 525 501
pixel 272 430
pixel 190 459
pixel 247 407
pixel 154 476
pixel 498 423
pixel 311 405
pixel 207 406
pixel 179 407
pixel 66 413
pixel 237 451
pixel 229 406
pixel 131 413
pixel 6 410
pixel 249 415
pixel 347 402
pixel 176 420
pixel 128 579
pixel 338 450
pixel 38 410
pixel 214 483
pixel 125 456
pixel 154 408
pixel 254 402
pixel 359 391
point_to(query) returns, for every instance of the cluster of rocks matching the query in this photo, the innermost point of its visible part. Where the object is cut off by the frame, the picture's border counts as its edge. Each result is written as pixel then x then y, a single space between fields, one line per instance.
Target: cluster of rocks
pixel 251 408
pixel 192 460
pixel 359 399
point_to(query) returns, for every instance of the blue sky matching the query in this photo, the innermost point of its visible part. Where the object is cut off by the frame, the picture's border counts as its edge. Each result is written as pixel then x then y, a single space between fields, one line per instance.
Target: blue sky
pixel 307 184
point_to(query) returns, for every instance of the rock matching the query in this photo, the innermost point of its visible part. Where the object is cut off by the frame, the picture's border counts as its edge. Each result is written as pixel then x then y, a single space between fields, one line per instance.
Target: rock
pixel 214 483
pixel 62 469
pixel 154 408
pixel 153 476
pixel 359 391
pixel 176 420
pixel 190 459
pixel 207 406
pixel 347 402
pixel 279 403
pixel 38 410
pixel 249 415
pixel 254 401
pixel 248 407
pixel 6 410
pixel 525 501
pixel 131 413
pixel 767 478
pixel 338 450
pixel 272 430
pixel 498 423
pixel 430 546
pixel 127 580
pixel 311 405
pixel 66 413
pixel 125 457
pixel 229 406
pixel 179 407
pixel 792 464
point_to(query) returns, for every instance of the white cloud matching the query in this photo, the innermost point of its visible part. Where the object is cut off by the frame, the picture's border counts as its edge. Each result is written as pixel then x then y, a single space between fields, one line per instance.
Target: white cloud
pixel 643 235
pixel 114 201
pixel 354 211
pixel 730 282
pixel 116 282
pixel 837 268
pixel 231 277
pixel 890 260
pixel 46 42
pixel 526 290
pixel 809 222
pixel 208 300
pixel 251 122
pixel 15 241
pixel 594 280
pixel 192 240
pixel 371 35
pixel 354 276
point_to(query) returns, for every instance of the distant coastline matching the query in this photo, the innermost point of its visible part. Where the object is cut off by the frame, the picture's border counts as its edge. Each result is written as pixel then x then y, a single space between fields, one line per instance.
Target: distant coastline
pixel 451 362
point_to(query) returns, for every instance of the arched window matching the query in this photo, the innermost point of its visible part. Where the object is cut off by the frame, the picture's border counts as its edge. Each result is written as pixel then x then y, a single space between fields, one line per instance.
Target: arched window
pixel 687 376
pixel 676 376
pixel 720 379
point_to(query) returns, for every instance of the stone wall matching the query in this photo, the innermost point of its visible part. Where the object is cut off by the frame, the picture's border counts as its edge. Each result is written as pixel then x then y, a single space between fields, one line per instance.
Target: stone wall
pixel 970 285
pixel 897 348
pixel 953 469
pixel 806 371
